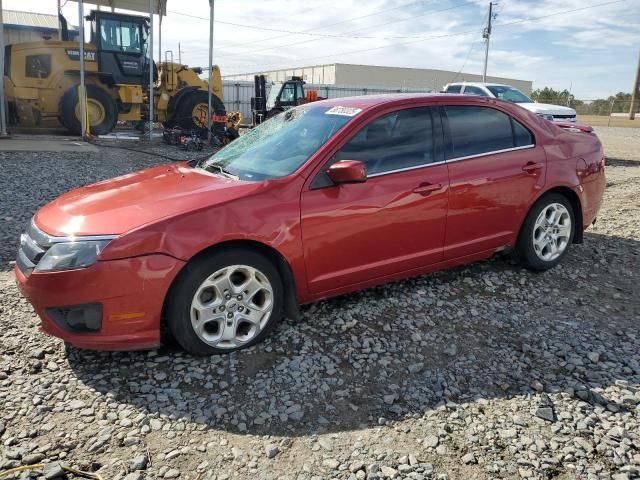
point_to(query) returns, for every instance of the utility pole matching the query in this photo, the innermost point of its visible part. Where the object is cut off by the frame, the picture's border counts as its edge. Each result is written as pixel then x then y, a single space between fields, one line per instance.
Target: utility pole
pixel 3 118
pixel 635 94
pixel 210 87
pixel 486 34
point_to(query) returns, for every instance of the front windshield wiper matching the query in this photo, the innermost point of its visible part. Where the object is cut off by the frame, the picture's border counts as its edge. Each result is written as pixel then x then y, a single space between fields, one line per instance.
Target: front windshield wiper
pixel 224 172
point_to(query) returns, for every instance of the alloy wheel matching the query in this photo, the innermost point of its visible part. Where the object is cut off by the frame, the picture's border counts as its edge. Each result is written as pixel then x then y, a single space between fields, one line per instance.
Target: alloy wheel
pixel 232 306
pixel 552 232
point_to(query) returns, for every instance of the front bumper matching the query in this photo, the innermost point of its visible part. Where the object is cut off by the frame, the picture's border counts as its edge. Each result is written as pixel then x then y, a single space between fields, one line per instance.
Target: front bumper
pixel 131 292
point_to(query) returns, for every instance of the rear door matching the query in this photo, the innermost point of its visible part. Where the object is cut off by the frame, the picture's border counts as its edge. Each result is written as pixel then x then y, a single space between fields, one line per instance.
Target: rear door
pixel 395 221
pixel 495 171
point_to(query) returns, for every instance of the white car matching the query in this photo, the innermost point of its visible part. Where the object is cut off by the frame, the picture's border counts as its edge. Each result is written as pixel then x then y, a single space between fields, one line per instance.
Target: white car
pixel 510 94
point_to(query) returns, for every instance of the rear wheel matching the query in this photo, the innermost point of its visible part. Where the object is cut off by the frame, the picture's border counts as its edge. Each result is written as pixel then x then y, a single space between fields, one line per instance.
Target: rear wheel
pixel 192 112
pixel 102 110
pixel 547 232
pixel 224 302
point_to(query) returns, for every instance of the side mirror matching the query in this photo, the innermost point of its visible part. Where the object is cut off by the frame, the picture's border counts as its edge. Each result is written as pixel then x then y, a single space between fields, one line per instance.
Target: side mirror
pixel 347 171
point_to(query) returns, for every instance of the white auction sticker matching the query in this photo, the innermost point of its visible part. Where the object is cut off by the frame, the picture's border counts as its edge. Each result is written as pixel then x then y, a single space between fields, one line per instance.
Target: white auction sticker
pixel 347 111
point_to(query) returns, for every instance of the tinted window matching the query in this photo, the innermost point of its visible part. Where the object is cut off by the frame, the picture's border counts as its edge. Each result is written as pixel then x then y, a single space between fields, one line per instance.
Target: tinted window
pixel 398 140
pixel 38 66
pixel 120 36
pixel 521 135
pixel 469 90
pixel 477 130
pixel 509 94
pixel 454 88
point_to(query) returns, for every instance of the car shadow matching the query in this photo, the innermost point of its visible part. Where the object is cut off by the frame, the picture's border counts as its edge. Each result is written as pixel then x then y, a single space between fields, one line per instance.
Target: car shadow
pixel 621 162
pixel 489 330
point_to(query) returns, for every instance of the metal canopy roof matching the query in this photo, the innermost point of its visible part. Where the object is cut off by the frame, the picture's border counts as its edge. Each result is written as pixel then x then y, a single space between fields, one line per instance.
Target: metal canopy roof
pixel 159 6
pixel 29 19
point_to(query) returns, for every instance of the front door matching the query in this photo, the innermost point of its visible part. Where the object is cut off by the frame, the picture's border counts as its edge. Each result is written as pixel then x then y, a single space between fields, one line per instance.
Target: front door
pixel 495 171
pixel 395 221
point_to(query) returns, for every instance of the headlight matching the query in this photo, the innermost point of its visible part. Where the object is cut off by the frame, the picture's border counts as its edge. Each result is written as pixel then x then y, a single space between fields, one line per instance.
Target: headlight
pixel 70 255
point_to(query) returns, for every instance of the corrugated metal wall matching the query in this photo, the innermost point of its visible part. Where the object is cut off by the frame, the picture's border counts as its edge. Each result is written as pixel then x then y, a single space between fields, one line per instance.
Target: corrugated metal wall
pixel 237 94
pixel 378 76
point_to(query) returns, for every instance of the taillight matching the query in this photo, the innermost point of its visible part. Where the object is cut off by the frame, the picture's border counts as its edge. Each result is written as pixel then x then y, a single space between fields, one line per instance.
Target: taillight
pixel 574 127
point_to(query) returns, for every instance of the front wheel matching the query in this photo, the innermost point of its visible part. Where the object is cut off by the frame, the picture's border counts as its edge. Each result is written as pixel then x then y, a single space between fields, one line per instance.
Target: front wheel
pixel 547 233
pixel 225 301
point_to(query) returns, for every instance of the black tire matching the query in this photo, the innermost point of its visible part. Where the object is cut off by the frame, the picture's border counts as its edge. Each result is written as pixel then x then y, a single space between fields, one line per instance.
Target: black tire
pixel 184 112
pixel 180 296
pixel 71 122
pixel 525 251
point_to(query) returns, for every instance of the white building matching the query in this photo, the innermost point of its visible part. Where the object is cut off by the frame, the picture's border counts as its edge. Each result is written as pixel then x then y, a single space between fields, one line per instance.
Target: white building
pixel 20 27
pixel 377 76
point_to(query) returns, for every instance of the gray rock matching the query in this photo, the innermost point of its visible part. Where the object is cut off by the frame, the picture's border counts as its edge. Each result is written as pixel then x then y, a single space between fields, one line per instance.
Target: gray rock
pixel 53 470
pixel 271 451
pixel 139 462
pixel 469 458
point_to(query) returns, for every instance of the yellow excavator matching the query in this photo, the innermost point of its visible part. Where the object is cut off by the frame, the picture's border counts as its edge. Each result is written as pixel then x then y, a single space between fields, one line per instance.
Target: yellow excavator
pixel 42 79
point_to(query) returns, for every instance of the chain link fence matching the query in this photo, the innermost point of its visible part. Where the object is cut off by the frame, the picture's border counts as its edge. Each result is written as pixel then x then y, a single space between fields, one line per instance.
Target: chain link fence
pixel 597 107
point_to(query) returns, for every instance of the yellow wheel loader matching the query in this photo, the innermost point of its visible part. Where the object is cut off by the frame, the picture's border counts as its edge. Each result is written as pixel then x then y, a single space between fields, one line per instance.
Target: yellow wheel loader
pixel 42 81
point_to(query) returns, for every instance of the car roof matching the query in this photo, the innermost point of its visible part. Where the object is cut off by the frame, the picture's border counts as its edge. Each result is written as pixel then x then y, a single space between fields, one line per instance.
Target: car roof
pixel 480 84
pixel 369 101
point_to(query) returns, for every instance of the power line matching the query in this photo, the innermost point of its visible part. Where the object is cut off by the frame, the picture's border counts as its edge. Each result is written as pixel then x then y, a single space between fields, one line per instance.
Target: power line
pixel 530 19
pixel 325 35
pixel 416 37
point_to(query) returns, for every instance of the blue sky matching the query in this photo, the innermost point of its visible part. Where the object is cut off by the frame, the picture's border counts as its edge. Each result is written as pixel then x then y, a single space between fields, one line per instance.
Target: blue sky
pixel 592 51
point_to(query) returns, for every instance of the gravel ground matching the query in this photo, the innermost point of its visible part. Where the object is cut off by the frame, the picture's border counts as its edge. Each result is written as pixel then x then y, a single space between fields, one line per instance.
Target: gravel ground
pixel 485 371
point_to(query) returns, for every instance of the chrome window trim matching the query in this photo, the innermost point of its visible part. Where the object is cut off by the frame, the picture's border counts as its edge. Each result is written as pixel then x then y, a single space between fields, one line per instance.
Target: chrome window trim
pixel 457 159
pixel 493 152
pixel 406 169
pixel 45 240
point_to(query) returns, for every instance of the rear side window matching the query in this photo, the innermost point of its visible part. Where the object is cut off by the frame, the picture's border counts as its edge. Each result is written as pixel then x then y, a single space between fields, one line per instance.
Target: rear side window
pixel 38 66
pixel 479 130
pixel 469 90
pixel 396 141
pixel 454 89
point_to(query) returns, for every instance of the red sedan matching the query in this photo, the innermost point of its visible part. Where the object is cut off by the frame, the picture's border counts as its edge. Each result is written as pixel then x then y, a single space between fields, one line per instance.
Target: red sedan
pixel 325 199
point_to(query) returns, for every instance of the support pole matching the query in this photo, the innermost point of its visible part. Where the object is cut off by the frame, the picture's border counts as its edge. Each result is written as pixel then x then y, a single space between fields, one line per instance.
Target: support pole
pixel 635 94
pixel 487 36
pixel 82 93
pixel 160 37
pixel 59 24
pixel 150 50
pixel 3 118
pixel 210 68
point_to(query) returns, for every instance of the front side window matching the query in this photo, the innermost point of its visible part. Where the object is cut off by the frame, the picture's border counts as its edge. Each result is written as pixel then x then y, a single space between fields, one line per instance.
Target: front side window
pixel 510 94
pixel 479 130
pixel 119 36
pixel 396 141
pixel 470 90
pixel 279 146
pixel 288 94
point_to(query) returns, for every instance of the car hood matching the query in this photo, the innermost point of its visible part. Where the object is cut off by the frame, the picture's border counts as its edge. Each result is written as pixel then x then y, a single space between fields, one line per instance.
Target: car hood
pixel 548 109
pixel 115 206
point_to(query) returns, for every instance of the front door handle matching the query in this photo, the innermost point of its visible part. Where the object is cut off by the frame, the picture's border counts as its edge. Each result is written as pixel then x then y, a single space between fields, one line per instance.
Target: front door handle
pixel 532 167
pixel 426 188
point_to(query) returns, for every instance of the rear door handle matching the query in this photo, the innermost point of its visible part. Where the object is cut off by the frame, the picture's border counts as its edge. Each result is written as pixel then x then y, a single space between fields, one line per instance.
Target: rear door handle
pixel 426 188
pixel 533 167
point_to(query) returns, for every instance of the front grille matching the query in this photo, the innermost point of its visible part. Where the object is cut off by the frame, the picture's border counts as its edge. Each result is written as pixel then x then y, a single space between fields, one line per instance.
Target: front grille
pixel 570 116
pixel 33 245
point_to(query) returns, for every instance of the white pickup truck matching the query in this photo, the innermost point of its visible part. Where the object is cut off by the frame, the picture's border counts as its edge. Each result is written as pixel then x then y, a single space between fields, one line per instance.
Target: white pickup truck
pixel 510 94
